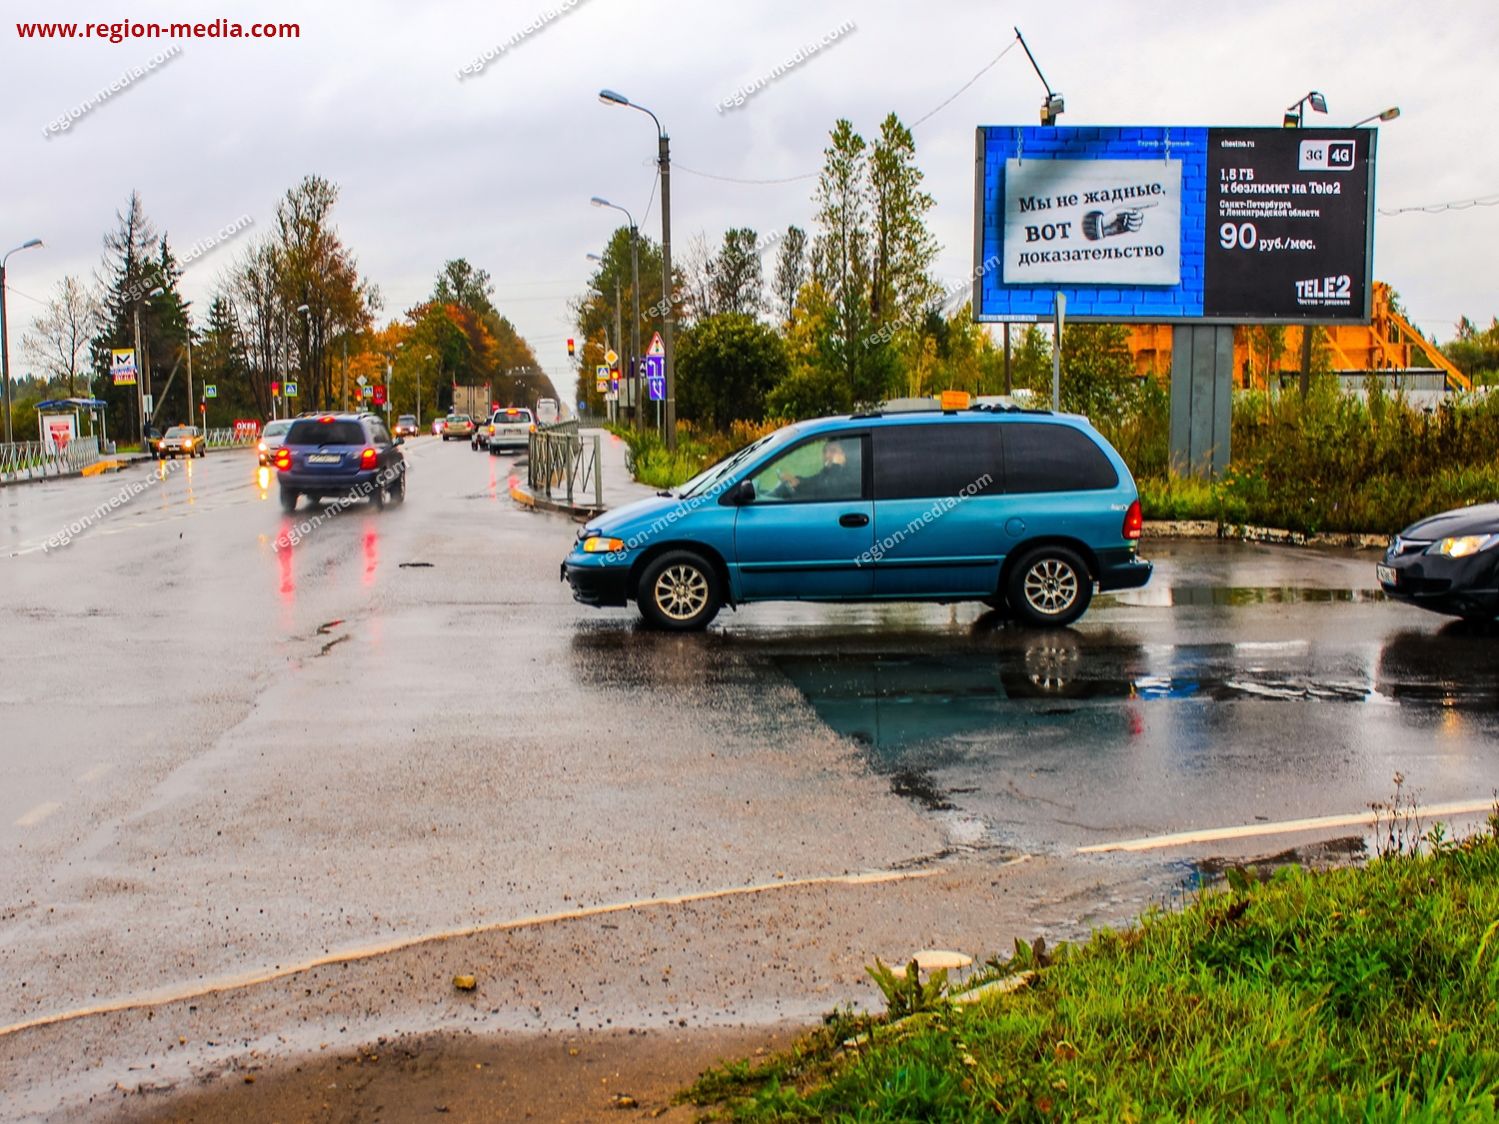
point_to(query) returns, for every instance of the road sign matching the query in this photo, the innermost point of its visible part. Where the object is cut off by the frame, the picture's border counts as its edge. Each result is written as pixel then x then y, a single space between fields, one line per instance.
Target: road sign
pixel 361 380
pixel 654 367
pixel 210 391
pixel 379 394
pixel 611 357
pixel 122 366
pixel 367 391
pixel 150 405
pixel 291 390
pixel 657 347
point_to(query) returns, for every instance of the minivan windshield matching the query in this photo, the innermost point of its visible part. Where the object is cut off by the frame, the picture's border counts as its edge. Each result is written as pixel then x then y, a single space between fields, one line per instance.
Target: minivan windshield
pixel 704 481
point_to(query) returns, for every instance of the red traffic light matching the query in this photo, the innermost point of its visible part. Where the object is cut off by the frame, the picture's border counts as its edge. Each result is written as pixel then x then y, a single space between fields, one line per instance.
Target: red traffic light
pixel 275 390
pixel 571 347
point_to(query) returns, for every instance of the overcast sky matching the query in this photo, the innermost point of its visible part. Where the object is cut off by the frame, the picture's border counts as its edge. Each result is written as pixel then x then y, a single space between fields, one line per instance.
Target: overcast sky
pixel 499 167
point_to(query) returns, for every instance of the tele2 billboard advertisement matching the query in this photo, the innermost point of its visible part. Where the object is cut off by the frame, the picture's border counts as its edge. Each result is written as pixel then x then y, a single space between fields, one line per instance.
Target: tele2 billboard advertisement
pixel 1174 224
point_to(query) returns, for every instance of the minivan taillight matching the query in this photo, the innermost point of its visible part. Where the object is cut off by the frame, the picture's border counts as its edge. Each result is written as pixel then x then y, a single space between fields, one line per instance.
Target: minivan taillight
pixel 283 458
pixel 367 458
pixel 1134 521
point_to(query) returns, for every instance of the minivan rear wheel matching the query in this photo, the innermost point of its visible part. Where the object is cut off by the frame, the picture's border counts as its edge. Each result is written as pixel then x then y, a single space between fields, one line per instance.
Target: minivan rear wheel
pixel 679 591
pixel 1050 587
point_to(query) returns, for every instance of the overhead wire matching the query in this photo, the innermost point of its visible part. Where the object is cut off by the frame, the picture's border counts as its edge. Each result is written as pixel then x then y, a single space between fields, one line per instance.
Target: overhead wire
pixel 924 117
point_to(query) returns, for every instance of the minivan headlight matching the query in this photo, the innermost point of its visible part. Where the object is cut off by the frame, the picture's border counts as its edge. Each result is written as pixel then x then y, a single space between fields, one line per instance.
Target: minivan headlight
pixel 597 544
pixel 1464 545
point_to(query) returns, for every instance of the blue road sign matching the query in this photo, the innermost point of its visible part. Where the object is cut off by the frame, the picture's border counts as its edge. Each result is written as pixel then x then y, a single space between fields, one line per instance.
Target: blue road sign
pixel 655 376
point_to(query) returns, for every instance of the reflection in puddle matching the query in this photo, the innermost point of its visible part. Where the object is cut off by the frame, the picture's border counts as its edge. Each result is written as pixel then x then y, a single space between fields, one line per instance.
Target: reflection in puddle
pixel 1203 873
pixel 1177 595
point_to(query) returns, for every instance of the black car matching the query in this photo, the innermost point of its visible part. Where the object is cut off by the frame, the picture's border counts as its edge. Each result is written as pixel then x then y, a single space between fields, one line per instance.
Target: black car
pixel 340 455
pixel 1447 563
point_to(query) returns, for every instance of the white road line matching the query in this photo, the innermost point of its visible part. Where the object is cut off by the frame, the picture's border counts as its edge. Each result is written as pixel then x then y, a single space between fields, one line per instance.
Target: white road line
pixel 38 814
pixel 1248 831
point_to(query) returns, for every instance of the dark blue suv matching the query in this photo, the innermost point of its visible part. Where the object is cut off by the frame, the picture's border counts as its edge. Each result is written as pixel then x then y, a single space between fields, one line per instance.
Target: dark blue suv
pixel 342 455
pixel 1021 509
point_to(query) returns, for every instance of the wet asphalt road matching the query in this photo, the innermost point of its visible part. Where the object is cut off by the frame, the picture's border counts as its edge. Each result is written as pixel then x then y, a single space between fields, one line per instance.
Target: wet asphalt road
pixel 233 741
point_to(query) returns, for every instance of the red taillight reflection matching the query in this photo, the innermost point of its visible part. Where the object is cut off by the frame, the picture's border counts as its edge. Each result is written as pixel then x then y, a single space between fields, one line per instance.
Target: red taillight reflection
pixel 1134 521
pixel 283 459
pixel 367 458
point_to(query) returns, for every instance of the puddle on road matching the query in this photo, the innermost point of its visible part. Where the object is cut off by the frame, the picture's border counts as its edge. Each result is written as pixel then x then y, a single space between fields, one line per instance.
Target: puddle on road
pixel 1274 595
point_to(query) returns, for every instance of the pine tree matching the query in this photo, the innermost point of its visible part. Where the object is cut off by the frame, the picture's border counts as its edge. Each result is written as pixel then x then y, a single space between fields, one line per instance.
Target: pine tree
pixel 791 273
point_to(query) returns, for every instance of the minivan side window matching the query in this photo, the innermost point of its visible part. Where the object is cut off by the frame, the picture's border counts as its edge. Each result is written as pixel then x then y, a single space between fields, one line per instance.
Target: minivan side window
pixel 930 461
pixel 1054 458
pixel 824 469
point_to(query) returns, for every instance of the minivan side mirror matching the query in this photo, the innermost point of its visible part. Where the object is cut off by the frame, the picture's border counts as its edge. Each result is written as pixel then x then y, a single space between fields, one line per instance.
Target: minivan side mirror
pixel 400 441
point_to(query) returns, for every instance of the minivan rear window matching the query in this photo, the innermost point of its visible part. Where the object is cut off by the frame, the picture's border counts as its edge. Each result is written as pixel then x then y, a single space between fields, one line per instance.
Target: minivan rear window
pixel 928 461
pixel 313 431
pixel 1054 458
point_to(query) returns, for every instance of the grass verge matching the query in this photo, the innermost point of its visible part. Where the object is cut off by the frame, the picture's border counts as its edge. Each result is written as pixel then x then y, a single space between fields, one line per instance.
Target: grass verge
pixel 1365 993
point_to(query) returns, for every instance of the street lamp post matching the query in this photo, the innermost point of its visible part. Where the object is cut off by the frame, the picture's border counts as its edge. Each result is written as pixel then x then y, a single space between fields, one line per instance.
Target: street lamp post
pixel 634 310
pixel 1383 115
pixel 419 392
pixel 1297 110
pixel 611 97
pixel 4 337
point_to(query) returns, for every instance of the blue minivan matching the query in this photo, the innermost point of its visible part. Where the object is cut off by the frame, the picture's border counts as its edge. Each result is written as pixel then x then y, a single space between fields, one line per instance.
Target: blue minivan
pixel 1024 509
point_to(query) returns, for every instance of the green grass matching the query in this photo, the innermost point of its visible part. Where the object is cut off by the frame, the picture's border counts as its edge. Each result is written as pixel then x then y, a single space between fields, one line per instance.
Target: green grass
pixel 1367 993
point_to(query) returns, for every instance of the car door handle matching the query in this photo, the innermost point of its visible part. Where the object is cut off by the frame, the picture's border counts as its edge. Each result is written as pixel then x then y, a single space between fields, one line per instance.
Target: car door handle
pixel 853 519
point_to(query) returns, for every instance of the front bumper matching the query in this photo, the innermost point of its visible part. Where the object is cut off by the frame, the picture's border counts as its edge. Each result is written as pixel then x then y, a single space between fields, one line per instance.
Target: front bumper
pixel 596 584
pixel 1458 587
pixel 1122 569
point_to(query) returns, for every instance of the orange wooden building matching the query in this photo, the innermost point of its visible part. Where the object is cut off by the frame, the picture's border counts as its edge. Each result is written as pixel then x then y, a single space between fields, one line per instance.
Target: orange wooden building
pixel 1388 344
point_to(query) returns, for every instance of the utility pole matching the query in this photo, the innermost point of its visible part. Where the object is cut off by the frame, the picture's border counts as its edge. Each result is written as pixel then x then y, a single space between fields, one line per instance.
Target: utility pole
pixel 4 334
pixel 190 378
pixel 140 399
pixel 345 342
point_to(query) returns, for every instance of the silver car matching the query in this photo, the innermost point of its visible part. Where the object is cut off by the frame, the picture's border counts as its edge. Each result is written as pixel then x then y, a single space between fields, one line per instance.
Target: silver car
pixel 272 437
pixel 510 428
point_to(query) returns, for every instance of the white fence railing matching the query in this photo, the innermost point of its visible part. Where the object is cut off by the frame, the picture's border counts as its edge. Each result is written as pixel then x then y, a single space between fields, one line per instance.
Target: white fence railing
pixel 33 460
pixel 231 439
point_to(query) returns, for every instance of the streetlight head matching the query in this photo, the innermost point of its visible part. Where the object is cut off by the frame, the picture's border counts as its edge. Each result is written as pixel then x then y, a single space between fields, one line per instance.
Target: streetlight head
pixel 1390 114
pixel 1319 103
pixel 613 97
pixel 599 202
pixel 31 243
pixel 593 257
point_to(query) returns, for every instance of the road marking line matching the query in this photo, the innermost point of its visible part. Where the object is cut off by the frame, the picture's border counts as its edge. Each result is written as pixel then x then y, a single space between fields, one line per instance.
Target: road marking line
pixel 1247 831
pixel 250 979
pixel 38 814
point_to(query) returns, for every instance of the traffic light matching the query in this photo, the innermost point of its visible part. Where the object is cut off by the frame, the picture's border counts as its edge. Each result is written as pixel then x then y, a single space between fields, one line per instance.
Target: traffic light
pixel 275 390
pixel 571 348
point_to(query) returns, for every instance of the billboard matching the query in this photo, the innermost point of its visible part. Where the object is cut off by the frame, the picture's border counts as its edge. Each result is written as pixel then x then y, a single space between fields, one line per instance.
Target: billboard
pixel 1183 224
pixel 122 366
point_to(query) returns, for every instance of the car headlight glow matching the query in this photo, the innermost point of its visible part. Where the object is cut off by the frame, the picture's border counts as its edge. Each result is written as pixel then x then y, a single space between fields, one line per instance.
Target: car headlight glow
pixel 1464 545
pixel 597 544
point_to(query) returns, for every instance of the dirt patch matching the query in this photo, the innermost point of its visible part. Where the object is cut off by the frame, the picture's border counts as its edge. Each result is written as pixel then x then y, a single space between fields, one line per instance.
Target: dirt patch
pixel 595 1076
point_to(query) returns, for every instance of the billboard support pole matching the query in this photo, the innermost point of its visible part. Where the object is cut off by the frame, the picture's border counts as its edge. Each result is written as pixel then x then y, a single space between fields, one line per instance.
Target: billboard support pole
pixel 1202 387
pixel 1059 311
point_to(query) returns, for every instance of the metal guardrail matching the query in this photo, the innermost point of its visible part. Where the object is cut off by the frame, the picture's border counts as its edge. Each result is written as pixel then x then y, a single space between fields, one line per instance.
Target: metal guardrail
pixel 33 460
pixel 564 464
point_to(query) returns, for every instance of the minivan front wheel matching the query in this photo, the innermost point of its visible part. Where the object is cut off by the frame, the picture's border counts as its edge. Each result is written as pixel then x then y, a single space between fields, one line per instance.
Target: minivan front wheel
pixel 679 591
pixel 1050 587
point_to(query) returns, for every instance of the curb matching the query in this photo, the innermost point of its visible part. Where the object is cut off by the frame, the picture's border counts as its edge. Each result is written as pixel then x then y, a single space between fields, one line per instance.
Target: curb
pixel 1274 536
pixel 577 512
